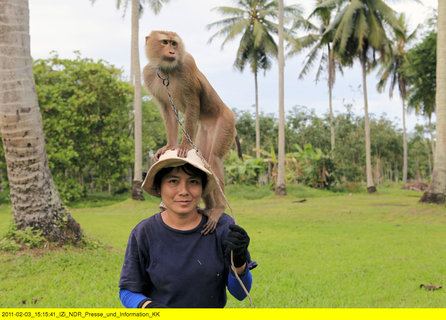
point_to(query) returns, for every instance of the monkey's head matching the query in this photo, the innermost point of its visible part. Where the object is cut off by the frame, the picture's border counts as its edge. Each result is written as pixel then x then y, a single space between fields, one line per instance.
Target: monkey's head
pixel 164 49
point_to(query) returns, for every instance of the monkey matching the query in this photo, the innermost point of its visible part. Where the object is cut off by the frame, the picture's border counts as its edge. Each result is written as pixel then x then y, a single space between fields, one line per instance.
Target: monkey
pixel 195 97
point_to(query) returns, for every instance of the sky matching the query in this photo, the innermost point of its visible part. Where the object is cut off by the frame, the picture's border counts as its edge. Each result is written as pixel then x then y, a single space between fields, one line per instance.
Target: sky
pixel 101 31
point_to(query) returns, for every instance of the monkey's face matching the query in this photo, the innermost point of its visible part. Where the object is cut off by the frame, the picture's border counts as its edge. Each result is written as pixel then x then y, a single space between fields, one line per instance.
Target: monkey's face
pixel 164 49
pixel 169 49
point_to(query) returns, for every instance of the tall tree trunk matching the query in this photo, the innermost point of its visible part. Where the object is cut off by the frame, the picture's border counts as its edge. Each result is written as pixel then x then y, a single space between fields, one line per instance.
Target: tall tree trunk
pixel 332 124
pixel 257 116
pixel 429 155
pixel 404 144
pixel 331 73
pixel 35 201
pixel 280 185
pixel 137 193
pixel 431 134
pixel 368 153
pixel 437 188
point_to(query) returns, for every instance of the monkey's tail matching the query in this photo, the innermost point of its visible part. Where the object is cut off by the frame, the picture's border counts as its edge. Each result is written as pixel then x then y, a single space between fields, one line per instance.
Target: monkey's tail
pixel 238 147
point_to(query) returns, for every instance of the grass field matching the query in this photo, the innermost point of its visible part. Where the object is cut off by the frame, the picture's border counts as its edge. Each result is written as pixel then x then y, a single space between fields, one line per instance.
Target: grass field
pixel 332 250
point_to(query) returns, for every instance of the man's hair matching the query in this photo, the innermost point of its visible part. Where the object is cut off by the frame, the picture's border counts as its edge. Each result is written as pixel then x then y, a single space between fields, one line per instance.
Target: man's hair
pixel 186 168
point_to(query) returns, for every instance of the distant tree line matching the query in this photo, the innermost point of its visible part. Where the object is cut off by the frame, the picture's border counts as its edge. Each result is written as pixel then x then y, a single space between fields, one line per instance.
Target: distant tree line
pixel 346 163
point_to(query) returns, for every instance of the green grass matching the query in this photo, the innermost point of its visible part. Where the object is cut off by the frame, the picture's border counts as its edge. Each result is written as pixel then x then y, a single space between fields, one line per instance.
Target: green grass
pixel 333 250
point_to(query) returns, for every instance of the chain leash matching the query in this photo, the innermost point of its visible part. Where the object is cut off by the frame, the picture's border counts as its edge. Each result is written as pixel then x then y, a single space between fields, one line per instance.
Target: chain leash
pixel 166 83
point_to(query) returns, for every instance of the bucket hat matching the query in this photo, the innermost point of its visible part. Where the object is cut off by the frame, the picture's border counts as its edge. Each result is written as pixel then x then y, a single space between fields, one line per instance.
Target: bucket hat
pixel 171 159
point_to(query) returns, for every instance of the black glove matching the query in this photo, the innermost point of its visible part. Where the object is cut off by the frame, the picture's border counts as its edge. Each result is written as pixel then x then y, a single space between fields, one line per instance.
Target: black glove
pixel 237 240
pixel 152 304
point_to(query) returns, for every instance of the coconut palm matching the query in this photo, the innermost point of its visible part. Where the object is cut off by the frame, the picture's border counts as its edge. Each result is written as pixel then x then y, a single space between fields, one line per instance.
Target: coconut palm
pixel 255 22
pixel 135 79
pixel 35 201
pixel 280 184
pixel 320 47
pixel 393 69
pixel 437 188
pixel 359 32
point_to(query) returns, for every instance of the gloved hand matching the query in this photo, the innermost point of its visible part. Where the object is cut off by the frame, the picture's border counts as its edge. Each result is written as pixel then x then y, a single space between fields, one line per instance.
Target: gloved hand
pixel 237 241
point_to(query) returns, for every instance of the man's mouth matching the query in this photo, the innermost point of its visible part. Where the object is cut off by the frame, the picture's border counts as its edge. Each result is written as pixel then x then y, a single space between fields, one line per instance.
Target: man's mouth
pixel 183 202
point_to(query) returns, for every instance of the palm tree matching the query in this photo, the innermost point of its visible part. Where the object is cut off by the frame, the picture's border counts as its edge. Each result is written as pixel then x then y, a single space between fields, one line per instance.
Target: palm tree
pixel 359 32
pixel 437 187
pixel 280 184
pixel 135 79
pixel 35 201
pixel 254 20
pixel 393 69
pixel 327 59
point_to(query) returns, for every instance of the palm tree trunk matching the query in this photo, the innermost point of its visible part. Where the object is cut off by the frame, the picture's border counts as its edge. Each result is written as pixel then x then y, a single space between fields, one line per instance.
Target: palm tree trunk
pixel 332 124
pixel 257 115
pixel 331 73
pixel 280 185
pixel 35 201
pixel 368 157
pixel 404 144
pixel 429 155
pixel 437 188
pixel 137 179
pixel 431 134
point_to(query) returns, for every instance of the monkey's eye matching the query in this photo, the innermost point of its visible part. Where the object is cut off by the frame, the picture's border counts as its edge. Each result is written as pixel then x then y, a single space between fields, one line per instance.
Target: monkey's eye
pixel 174 43
pixel 165 42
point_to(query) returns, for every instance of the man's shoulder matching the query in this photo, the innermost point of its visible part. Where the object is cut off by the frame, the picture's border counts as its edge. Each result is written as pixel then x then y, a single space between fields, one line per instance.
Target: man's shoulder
pixel 224 222
pixel 144 224
pixel 226 219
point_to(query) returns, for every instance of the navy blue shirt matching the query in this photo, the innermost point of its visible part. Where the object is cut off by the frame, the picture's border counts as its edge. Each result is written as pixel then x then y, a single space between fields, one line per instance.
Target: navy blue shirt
pixel 178 268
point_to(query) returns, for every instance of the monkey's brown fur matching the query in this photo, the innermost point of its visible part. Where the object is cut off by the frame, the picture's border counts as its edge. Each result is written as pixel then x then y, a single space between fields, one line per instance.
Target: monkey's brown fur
pixel 194 96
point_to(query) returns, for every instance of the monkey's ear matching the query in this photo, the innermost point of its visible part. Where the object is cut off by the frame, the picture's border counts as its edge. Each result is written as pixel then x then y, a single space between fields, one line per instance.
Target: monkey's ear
pixel 147 38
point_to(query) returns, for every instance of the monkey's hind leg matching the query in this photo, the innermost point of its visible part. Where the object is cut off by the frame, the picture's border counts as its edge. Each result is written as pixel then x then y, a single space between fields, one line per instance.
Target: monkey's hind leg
pixel 214 210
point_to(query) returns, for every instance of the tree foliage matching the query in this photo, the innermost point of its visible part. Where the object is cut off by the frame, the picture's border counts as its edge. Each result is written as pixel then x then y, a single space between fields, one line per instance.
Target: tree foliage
pixel 85 108
pixel 421 71
pixel 308 154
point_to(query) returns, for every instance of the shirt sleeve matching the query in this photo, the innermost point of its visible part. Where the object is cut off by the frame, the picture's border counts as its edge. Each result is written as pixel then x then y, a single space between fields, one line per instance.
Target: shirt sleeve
pixel 234 286
pixel 133 275
pixel 131 299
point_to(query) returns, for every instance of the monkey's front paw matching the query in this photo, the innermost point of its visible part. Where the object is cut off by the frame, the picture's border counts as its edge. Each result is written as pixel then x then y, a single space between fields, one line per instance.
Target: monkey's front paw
pixel 160 152
pixel 182 151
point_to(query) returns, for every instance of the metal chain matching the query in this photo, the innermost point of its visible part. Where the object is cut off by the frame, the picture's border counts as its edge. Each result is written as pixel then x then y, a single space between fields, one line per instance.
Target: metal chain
pixel 166 83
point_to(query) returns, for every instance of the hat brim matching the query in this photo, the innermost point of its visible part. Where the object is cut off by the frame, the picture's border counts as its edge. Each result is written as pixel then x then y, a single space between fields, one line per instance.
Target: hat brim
pixel 171 159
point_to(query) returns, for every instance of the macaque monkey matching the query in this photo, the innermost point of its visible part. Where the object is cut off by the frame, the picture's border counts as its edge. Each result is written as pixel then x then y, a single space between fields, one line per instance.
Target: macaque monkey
pixel 194 96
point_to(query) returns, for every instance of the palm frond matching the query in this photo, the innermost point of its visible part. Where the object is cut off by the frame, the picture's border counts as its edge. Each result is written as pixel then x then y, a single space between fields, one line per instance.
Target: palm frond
pixel 309 61
pixel 230 31
pixel 322 66
pixel 348 23
pixel 229 11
